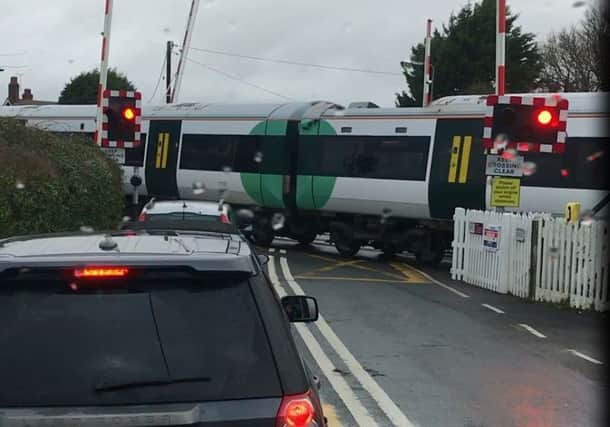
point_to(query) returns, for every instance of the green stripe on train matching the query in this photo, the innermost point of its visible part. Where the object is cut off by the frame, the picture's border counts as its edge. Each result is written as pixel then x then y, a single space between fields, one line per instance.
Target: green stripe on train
pixel 313 192
pixel 267 189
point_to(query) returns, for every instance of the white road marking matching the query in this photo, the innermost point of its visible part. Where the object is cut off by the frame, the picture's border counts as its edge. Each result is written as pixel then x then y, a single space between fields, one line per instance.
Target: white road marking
pixel 584 356
pixel 271 250
pixel 492 308
pixel 532 330
pixel 441 284
pixel 338 383
pixel 386 404
pixel 282 251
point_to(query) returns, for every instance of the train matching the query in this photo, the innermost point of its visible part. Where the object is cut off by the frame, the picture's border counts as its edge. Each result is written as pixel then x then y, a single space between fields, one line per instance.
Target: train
pixel 390 178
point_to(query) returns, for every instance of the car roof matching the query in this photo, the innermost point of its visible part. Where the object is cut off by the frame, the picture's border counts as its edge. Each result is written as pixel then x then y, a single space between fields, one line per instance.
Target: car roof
pixel 203 251
pixel 190 206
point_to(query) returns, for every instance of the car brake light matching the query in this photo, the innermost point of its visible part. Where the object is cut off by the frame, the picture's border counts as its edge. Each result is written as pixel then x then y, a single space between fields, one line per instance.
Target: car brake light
pixel 142 217
pixel 93 272
pixel 296 411
pixel 224 218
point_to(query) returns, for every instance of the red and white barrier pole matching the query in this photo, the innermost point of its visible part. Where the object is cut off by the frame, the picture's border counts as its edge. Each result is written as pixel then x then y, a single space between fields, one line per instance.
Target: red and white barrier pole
pixel 103 69
pixel 500 47
pixel 427 65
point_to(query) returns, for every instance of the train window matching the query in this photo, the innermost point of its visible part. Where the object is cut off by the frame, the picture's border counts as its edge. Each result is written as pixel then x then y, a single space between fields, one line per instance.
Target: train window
pixel 584 162
pixel 393 158
pixel 338 156
pixel 275 157
pixel 245 153
pixel 207 152
pixel 401 158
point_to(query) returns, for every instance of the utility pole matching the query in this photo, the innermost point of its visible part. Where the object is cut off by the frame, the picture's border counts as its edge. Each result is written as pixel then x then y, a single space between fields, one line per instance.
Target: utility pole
pixel 168 72
pixel 500 46
pixel 185 48
pixel 103 69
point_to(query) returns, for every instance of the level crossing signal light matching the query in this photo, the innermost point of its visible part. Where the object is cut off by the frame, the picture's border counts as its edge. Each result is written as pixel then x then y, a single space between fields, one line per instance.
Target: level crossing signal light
pixel 536 124
pixel 121 119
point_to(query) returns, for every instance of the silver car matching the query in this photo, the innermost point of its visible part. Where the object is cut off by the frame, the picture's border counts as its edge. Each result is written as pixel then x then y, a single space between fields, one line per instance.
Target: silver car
pixel 186 210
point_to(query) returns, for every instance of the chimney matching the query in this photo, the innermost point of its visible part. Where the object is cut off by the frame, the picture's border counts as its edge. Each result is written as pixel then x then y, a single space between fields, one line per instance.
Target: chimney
pixel 27 95
pixel 13 91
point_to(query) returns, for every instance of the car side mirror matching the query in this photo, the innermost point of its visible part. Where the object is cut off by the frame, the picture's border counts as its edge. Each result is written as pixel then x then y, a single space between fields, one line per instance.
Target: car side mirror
pixel 263 259
pixel 301 308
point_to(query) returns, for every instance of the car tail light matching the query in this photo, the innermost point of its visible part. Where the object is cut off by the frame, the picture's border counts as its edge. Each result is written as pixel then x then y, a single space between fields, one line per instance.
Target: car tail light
pixel 224 218
pixel 296 411
pixel 100 272
pixel 142 217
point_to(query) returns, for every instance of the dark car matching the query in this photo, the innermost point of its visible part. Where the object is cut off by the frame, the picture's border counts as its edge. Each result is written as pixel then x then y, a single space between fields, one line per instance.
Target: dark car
pixel 148 327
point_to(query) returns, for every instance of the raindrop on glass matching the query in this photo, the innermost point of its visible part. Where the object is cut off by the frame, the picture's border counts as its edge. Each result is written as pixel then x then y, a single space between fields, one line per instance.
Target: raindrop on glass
pixel 19 185
pixel 209 3
pixel 595 156
pixel 198 188
pixel 529 168
pixel 258 157
pixel 74 287
pixel 227 169
pixel 586 218
pixel 277 221
pixel 501 141
pixel 579 3
pixel 86 229
pixel 245 214
pixel 509 154
pixel 385 214
pixel 126 218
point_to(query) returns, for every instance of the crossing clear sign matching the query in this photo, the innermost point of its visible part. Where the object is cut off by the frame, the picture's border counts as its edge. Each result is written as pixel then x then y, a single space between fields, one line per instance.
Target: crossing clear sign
pixel 500 166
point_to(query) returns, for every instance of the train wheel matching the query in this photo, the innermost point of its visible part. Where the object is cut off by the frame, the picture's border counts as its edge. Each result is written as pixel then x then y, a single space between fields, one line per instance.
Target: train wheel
pixel 388 251
pixel 306 238
pixel 346 246
pixel 262 236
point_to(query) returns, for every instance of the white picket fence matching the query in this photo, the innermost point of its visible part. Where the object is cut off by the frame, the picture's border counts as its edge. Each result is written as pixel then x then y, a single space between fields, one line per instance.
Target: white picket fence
pixel 571 263
pixel 503 270
pixel 536 256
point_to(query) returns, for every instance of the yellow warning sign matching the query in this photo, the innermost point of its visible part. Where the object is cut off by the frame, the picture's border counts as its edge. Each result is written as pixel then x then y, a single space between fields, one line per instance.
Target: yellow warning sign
pixel 505 192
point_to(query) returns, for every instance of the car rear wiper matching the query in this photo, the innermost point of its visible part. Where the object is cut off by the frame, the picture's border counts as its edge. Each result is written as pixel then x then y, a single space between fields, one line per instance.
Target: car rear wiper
pixel 103 386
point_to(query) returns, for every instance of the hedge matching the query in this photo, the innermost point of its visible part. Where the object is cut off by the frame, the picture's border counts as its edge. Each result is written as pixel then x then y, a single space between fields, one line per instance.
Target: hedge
pixel 52 182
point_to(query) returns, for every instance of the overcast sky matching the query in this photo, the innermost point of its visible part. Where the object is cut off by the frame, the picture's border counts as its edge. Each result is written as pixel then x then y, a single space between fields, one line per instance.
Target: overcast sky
pixel 58 39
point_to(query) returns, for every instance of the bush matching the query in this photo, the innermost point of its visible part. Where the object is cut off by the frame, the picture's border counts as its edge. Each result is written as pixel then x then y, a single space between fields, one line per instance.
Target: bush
pixel 53 182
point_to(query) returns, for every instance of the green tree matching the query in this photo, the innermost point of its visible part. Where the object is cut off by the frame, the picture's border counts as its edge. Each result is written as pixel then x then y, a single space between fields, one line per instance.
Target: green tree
pixel 82 89
pixel 464 57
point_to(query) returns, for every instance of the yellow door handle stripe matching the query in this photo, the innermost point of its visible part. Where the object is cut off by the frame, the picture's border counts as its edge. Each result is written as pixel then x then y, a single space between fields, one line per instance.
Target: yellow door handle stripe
pixel 165 150
pixel 465 159
pixel 159 151
pixel 455 154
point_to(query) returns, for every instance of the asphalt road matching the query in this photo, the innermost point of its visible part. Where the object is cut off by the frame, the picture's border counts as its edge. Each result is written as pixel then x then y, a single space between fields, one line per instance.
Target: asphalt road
pixel 401 345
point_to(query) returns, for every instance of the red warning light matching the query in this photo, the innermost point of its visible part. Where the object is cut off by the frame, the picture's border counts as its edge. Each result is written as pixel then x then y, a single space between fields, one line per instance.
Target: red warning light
pixel 129 113
pixel 565 173
pixel 544 117
pixel 93 272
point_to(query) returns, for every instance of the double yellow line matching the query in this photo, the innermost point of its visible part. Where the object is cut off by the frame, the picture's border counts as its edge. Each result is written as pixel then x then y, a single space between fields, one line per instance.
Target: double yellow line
pixel 456 149
pixel 162 149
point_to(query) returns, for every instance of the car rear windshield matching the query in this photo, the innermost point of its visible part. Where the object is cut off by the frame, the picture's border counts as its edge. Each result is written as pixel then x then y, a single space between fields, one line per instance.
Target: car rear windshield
pixel 182 215
pixel 132 341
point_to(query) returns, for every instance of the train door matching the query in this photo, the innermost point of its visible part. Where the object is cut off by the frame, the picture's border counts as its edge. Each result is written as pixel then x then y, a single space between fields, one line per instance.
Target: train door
pixel 457 175
pixel 162 158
